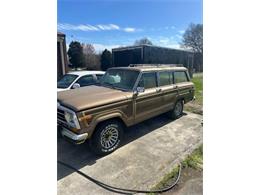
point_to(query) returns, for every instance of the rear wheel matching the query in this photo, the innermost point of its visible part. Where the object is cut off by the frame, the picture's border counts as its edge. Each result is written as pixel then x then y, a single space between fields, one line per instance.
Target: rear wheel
pixel 177 110
pixel 107 137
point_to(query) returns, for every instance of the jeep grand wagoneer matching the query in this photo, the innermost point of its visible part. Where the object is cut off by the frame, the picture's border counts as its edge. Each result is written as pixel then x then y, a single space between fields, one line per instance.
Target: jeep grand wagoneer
pixel 124 97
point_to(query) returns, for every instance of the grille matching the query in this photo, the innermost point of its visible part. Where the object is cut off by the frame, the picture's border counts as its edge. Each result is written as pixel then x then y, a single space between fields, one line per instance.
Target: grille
pixel 61 117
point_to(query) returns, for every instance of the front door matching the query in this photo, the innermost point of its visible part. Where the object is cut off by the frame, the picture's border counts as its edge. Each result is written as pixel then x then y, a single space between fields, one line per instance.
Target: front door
pixel 149 102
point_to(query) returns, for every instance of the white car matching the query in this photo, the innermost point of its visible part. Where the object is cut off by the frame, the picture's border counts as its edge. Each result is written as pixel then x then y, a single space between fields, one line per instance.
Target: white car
pixel 78 79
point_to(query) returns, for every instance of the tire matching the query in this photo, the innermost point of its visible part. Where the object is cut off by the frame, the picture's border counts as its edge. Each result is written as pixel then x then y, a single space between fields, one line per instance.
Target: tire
pixel 177 111
pixel 107 137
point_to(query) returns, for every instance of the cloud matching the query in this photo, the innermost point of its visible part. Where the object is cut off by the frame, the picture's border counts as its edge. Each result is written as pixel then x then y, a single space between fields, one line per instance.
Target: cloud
pixel 169 27
pixel 101 47
pixel 88 27
pixel 181 31
pixel 179 36
pixel 174 46
pixel 170 45
pixel 108 27
pixel 164 40
pixel 129 29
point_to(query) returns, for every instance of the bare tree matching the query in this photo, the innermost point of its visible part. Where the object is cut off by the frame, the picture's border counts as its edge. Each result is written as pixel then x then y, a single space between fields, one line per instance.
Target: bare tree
pixel 193 38
pixel 143 41
pixel 92 59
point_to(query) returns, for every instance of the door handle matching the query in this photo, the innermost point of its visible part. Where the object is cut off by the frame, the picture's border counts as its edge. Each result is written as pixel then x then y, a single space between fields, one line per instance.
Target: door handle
pixel 158 90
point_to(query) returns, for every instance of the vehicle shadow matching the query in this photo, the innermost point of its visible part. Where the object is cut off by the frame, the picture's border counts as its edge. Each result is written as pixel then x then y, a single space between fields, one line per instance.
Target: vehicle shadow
pixel 80 155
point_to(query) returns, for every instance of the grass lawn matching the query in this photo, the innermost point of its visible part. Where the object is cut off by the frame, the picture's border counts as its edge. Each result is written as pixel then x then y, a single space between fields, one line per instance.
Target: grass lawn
pixel 197 105
pixel 192 163
pixel 198 82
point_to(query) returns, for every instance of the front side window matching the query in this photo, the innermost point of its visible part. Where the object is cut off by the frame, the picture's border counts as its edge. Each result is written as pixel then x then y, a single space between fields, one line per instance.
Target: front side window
pixel 66 81
pixel 120 78
pixel 165 78
pixel 86 80
pixel 148 80
pixel 180 76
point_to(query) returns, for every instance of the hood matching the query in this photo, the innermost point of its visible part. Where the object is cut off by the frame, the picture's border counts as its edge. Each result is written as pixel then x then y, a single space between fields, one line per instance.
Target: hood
pixel 89 97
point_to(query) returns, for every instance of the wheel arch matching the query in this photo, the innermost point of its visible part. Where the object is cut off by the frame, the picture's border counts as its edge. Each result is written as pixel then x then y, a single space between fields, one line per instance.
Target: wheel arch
pixel 110 117
pixel 180 99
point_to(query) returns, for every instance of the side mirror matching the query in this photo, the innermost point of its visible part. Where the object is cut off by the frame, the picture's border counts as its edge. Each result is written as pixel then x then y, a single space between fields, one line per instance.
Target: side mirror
pixel 75 86
pixel 140 89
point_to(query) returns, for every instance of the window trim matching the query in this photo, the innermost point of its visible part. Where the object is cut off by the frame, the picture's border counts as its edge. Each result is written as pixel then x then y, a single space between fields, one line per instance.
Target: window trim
pixel 140 76
pixel 157 77
pixel 168 71
pixel 185 72
pixel 188 76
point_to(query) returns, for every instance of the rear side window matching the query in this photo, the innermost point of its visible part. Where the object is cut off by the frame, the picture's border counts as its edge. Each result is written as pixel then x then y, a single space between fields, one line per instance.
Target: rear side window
pixel 180 77
pixel 86 80
pixel 148 80
pixel 165 78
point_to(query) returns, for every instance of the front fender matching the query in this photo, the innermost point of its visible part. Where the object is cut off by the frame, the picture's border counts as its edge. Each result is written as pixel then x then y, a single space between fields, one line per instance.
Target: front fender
pixel 105 116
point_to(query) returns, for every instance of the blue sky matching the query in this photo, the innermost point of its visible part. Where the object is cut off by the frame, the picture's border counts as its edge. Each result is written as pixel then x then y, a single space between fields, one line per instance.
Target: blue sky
pixel 113 23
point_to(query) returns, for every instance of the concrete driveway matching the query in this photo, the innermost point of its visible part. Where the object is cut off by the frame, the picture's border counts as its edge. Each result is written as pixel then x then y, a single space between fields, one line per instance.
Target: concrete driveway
pixel 150 150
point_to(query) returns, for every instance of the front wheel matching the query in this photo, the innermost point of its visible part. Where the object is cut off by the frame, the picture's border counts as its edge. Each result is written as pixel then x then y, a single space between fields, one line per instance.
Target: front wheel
pixel 107 137
pixel 177 110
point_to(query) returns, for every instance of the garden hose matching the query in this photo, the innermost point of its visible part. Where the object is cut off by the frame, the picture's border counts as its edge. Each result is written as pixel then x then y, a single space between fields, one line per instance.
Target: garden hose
pixel 121 190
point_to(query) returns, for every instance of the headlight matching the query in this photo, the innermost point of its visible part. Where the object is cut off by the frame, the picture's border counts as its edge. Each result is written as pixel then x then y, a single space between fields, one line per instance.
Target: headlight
pixel 71 119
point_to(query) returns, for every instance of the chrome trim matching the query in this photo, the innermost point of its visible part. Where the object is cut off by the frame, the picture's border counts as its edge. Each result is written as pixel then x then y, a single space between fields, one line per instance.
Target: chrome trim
pixel 61 114
pixel 73 136
pixel 61 121
pixel 137 81
pixel 109 137
pixel 73 113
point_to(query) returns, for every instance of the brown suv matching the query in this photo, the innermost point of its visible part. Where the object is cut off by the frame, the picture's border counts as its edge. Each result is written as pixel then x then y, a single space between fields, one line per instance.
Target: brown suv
pixel 124 97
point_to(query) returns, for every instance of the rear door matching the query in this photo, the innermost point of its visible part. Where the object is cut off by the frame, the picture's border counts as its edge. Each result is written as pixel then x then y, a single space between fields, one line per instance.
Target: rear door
pixel 184 85
pixel 168 89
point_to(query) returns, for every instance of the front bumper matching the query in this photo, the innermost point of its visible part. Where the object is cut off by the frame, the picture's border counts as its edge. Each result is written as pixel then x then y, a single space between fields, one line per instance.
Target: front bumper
pixel 75 138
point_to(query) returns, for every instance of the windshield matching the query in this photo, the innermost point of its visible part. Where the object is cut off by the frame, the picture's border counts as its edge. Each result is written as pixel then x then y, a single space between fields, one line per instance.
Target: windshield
pixel 119 78
pixel 66 80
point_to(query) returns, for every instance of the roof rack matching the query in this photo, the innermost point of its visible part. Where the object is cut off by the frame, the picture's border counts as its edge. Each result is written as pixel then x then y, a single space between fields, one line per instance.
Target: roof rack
pixel 156 65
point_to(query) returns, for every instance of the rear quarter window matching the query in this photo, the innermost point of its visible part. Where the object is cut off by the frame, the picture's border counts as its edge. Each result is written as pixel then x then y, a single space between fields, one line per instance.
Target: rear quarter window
pixel 180 77
pixel 165 78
